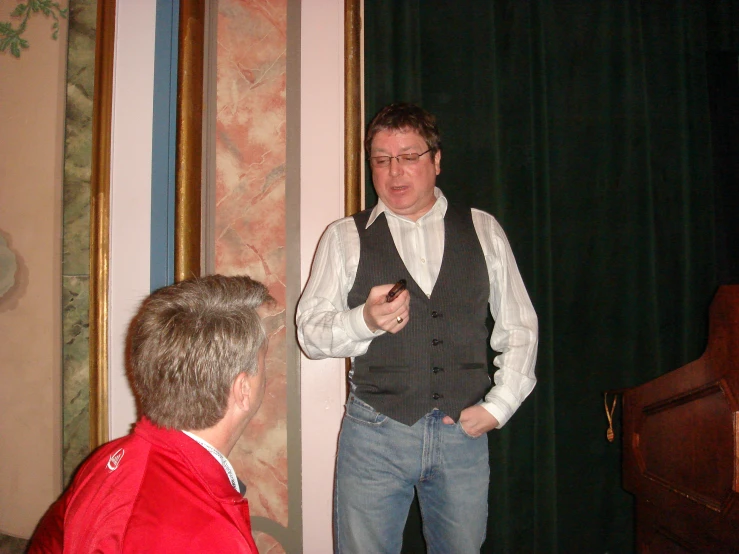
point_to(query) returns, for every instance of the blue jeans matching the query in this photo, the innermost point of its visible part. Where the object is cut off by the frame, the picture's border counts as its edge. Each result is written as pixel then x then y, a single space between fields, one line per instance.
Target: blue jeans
pixel 379 464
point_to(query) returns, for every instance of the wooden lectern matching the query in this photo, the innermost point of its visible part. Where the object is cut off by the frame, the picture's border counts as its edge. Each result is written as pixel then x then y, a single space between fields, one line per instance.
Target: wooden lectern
pixel 681 446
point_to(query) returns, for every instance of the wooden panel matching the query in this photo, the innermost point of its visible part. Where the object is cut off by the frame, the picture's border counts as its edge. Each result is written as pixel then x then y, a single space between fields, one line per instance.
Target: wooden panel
pixel 682 447
pixel 681 454
pixel 663 541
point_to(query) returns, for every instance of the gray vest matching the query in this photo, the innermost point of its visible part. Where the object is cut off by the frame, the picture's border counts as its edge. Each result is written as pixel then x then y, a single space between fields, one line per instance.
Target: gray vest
pixel 439 359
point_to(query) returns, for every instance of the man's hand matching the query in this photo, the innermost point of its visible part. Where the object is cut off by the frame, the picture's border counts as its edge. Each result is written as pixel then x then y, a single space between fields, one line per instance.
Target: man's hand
pixel 381 314
pixel 475 421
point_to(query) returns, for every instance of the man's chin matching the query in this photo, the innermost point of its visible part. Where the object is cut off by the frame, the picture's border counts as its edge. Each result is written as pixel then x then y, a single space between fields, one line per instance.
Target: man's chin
pixel 399 202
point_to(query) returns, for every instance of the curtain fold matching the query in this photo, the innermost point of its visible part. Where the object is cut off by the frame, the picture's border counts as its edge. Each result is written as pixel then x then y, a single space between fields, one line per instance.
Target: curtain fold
pixel 584 128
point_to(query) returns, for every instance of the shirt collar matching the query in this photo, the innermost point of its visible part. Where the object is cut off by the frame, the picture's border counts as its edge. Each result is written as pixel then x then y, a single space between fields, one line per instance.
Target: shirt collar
pixel 200 460
pixel 221 459
pixel 440 204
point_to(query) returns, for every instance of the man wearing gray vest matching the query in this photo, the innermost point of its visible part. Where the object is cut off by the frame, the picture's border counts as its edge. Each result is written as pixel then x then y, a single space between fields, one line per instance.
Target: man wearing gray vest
pixel 421 399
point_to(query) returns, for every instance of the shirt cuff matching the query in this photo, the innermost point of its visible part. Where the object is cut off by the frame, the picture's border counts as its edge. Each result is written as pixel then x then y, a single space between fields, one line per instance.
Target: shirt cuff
pixel 356 327
pixel 501 404
pixel 496 412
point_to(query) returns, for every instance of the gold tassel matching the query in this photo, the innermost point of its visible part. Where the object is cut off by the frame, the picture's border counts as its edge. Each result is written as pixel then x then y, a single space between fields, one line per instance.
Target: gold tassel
pixel 609 415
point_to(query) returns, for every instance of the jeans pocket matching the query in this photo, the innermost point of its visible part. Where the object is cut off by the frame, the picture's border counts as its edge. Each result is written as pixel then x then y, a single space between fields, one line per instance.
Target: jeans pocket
pixel 363 413
pixel 465 433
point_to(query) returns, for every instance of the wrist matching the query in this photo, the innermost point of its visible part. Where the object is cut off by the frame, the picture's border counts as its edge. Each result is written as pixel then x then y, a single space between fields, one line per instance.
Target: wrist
pixel 357 326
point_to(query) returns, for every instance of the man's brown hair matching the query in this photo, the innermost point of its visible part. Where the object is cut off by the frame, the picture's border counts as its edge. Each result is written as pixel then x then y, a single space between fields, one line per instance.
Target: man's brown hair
pixel 402 116
pixel 188 343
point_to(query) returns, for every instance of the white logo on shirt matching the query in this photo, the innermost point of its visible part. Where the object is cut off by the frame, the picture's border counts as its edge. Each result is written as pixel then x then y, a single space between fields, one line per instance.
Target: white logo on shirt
pixel 115 459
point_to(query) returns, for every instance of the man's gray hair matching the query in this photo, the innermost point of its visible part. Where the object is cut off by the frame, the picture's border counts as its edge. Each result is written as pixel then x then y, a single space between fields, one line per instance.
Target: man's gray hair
pixel 189 342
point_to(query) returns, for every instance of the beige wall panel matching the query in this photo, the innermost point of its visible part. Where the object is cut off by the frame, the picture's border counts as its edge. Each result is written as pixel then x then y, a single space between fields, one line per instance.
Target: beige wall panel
pixel 31 143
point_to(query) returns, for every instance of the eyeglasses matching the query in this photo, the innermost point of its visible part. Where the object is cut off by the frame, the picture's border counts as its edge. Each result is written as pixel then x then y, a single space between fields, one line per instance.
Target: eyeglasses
pixel 403 159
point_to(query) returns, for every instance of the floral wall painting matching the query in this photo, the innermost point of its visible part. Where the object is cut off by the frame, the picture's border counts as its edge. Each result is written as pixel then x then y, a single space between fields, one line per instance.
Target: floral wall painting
pixel 8 267
pixel 11 37
pixel 32 92
pixel 12 271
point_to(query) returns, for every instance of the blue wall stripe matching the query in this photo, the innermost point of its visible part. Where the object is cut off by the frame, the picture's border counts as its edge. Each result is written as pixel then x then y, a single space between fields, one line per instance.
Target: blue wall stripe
pixel 164 133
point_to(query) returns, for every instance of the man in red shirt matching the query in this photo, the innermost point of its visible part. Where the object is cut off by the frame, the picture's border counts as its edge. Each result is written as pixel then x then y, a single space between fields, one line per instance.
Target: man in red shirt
pixel 197 366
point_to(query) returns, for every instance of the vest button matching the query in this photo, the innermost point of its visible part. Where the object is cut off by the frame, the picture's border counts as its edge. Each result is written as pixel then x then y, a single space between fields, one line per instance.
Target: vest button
pixel 436 342
pixel 436 314
pixel 437 369
pixel 436 396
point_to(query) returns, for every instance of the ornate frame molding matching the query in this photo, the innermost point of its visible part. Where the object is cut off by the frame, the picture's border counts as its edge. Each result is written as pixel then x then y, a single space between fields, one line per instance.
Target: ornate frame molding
pixel 189 157
pixel 100 221
pixel 353 128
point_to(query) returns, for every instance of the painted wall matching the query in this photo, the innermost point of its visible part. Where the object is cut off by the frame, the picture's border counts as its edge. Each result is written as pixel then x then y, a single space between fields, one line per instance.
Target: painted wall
pixel 317 199
pixel 76 235
pixel 130 192
pixel 250 239
pixel 321 185
pixel 321 201
pixel 256 204
pixel 32 91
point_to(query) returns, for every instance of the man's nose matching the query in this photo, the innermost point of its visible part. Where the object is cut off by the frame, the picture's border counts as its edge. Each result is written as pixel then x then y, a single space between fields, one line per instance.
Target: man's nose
pixel 395 168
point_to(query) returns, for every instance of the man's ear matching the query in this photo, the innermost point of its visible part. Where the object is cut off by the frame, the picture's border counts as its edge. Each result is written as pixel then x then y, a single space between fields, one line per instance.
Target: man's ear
pixel 241 391
pixel 437 161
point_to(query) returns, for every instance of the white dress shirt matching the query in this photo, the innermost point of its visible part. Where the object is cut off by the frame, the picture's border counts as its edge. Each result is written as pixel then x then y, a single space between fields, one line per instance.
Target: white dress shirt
pixel 327 328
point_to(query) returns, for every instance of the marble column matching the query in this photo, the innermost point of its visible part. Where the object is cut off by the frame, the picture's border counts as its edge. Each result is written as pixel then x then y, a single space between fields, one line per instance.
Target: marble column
pixel 250 236
pixel 76 234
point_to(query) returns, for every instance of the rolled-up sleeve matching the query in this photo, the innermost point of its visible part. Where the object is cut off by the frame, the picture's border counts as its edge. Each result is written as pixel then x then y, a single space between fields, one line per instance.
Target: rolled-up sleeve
pixel 516 330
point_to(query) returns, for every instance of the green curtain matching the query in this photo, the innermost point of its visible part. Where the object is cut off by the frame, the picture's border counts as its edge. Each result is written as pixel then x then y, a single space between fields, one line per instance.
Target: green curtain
pixel 584 128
